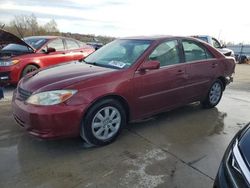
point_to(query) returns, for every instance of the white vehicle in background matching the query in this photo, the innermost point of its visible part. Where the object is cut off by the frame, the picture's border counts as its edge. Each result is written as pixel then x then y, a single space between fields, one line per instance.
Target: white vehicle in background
pixel 216 44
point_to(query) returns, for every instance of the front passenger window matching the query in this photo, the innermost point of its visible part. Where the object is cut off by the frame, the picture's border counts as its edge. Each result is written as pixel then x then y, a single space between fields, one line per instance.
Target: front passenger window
pixel 166 53
pixel 57 44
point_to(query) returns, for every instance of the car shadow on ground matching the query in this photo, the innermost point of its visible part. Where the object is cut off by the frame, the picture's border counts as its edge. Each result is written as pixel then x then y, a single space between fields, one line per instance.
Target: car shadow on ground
pixel 190 122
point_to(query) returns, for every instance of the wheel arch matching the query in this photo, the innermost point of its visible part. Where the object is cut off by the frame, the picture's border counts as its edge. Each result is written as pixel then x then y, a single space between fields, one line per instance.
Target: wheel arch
pixel 223 80
pixel 119 98
pixel 32 63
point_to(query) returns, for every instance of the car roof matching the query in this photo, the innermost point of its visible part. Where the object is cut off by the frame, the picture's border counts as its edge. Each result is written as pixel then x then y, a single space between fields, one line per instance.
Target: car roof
pixel 47 37
pixel 42 37
pixel 154 37
pixel 157 37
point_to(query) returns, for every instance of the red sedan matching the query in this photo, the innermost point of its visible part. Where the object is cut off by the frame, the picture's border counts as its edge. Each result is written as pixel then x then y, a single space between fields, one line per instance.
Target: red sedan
pixel 126 80
pixel 20 57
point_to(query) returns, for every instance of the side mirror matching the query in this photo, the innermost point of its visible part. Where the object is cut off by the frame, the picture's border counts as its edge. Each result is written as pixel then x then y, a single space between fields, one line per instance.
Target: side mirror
pixel 150 65
pixel 50 50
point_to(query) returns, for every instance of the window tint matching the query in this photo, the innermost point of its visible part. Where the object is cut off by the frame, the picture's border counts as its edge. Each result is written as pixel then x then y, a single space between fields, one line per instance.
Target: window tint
pixel 194 52
pixel 57 44
pixel 166 53
pixel 72 45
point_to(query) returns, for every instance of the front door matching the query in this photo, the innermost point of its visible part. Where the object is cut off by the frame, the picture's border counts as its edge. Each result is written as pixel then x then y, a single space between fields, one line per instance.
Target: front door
pixel 160 89
pixel 53 58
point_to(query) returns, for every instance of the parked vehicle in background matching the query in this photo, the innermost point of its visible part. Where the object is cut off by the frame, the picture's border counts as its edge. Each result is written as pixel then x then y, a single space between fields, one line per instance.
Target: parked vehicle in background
pixel 241 58
pixel 95 45
pixel 234 170
pixel 216 44
pixel 125 80
pixel 21 57
pixel 242 52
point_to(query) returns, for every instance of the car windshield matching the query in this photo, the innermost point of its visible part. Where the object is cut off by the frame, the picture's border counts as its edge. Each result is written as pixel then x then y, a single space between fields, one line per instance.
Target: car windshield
pixel 119 54
pixel 36 42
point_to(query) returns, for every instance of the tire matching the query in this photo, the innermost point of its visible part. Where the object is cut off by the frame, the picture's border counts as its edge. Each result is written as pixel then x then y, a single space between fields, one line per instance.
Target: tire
pixel 96 125
pixel 214 95
pixel 28 69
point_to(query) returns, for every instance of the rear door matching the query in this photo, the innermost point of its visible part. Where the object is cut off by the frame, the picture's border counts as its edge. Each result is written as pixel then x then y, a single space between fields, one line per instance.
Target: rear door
pixel 160 89
pixel 201 68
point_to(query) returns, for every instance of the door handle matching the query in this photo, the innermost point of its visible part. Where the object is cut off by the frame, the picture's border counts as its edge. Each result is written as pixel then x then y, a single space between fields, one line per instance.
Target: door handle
pixel 214 65
pixel 179 72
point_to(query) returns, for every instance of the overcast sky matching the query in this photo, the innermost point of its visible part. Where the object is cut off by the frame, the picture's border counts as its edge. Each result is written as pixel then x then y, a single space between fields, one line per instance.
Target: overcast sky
pixel 227 20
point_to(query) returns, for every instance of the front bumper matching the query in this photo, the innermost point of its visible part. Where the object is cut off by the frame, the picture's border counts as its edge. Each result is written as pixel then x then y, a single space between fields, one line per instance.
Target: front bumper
pixel 230 173
pixel 48 122
pixel 9 75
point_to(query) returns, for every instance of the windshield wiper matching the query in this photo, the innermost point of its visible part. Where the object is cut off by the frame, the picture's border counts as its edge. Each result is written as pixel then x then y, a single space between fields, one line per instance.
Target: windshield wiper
pixel 91 63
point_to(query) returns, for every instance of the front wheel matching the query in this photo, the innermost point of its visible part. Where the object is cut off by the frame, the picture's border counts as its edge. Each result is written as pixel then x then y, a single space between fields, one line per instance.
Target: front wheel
pixel 103 122
pixel 214 95
pixel 28 69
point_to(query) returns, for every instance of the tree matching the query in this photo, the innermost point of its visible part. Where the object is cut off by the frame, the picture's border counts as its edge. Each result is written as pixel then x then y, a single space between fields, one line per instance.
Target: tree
pixel 24 25
pixel 51 27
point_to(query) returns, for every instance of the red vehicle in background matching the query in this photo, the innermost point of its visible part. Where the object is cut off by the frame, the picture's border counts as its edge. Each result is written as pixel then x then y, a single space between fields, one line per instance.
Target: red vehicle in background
pixel 20 57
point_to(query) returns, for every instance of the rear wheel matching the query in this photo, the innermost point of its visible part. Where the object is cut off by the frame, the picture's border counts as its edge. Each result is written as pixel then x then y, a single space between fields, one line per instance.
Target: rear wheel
pixel 103 122
pixel 214 95
pixel 28 69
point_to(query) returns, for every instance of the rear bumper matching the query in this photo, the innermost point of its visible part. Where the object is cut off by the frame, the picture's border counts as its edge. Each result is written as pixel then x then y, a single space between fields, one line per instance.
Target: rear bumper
pixel 229 79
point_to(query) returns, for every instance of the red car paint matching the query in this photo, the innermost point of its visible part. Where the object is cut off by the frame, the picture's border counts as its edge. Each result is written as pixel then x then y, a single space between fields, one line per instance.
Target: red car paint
pixel 143 93
pixel 38 57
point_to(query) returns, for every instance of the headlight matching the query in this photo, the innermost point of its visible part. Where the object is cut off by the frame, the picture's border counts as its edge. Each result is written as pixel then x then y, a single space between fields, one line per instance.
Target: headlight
pixel 8 63
pixel 50 97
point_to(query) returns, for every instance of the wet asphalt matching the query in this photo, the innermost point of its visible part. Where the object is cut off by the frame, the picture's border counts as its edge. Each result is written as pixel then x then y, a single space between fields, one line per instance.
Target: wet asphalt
pixel 181 148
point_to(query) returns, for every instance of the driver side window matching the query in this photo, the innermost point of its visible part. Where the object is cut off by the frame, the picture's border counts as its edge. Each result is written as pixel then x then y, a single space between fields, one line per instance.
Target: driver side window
pixel 57 44
pixel 167 53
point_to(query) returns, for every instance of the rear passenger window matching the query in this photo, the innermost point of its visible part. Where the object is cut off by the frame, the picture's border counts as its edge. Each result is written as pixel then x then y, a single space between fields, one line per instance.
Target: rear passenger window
pixel 72 45
pixel 194 52
pixel 166 53
pixel 57 44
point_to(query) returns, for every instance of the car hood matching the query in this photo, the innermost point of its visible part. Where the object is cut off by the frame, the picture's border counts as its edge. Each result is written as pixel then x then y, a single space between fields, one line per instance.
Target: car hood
pixel 244 145
pixel 9 38
pixel 61 76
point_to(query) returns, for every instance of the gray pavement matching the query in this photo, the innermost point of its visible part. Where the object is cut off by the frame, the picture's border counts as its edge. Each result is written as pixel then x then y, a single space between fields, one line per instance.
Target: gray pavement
pixel 181 148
